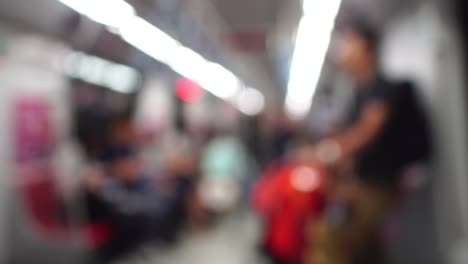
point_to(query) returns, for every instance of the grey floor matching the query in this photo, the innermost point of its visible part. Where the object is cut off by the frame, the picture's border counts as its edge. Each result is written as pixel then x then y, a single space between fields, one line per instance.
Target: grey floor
pixel 235 240
pixel 416 241
pixel 232 241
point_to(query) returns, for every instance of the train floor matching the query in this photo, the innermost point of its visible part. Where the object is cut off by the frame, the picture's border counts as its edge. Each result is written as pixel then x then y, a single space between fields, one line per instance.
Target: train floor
pixel 233 240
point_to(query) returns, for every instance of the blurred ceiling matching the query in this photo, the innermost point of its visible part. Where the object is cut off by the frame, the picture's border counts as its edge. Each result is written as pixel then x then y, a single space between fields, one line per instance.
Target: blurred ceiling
pixel 260 33
pixel 249 24
pixel 255 37
pixel 258 29
pixel 378 12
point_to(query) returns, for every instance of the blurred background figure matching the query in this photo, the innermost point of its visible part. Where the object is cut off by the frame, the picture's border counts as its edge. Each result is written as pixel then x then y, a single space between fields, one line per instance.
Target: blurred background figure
pixel 123 198
pixel 224 167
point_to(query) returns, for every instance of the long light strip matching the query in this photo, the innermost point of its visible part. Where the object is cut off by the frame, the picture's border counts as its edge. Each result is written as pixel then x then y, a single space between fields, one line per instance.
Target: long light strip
pixel 114 76
pixel 149 39
pixel 118 14
pixel 107 12
pixel 313 39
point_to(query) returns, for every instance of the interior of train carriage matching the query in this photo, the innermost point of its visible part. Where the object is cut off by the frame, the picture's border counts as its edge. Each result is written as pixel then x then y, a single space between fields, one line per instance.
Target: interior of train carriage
pixel 202 131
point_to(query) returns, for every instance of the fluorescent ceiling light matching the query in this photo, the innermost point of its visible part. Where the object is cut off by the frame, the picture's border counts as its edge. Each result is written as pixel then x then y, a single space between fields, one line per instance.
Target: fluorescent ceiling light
pixel 94 70
pixel 219 81
pixel 122 79
pixel 187 63
pixel 111 13
pixel 313 39
pixel 141 34
pixel 149 39
pixel 162 47
pixel 323 9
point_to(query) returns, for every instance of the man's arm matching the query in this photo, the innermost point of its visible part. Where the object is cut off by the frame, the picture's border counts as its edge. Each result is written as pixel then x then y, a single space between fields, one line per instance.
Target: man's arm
pixel 371 122
pixel 367 128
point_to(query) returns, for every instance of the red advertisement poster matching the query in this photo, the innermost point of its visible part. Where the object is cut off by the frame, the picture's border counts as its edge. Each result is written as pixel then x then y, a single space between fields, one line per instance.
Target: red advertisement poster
pixel 35 177
pixel 32 129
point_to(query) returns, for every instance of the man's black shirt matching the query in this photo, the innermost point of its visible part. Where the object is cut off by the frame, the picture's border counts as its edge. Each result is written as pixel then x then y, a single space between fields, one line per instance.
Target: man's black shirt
pixel 404 138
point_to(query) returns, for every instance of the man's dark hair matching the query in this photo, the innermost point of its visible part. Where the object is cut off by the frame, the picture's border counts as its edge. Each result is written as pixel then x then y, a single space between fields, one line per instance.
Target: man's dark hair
pixel 364 29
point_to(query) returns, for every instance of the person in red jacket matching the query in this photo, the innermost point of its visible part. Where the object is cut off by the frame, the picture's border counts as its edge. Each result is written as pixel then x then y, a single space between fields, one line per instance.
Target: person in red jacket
pixel 286 195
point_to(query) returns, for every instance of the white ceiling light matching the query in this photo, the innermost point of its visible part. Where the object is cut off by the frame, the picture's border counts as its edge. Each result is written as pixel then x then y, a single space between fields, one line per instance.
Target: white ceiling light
pixel 219 81
pixel 122 79
pixel 149 39
pixel 187 63
pixel 162 47
pixel 313 39
pixel 251 101
pixel 94 70
pixel 111 13
pixel 141 34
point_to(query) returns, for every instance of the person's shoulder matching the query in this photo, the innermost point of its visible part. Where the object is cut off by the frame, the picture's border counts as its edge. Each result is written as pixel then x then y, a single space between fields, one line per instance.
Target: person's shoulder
pixel 389 89
pixel 383 83
pixel 405 89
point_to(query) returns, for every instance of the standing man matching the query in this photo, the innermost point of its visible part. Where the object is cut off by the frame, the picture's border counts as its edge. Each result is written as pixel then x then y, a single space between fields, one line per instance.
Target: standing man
pixel 386 132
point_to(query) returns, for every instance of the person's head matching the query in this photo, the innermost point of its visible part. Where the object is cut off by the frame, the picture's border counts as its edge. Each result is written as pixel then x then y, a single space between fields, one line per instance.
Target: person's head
pixel 356 49
pixel 122 129
pixel 123 163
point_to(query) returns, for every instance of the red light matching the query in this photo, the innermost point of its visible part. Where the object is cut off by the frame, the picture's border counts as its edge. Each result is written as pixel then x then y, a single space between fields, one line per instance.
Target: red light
pixel 188 90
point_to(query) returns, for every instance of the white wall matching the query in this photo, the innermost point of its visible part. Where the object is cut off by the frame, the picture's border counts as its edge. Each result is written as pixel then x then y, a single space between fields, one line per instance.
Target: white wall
pixel 409 48
pixel 423 47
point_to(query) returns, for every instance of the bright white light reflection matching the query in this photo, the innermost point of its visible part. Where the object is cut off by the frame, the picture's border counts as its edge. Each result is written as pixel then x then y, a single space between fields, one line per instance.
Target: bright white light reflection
pixel 305 179
pixel 313 39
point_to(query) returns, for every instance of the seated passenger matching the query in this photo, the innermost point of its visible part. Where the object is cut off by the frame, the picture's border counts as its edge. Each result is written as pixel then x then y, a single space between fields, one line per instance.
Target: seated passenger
pixel 127 199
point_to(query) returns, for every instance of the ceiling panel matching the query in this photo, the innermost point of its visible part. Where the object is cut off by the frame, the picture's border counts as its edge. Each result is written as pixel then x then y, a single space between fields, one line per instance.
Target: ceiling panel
pixel 248 14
